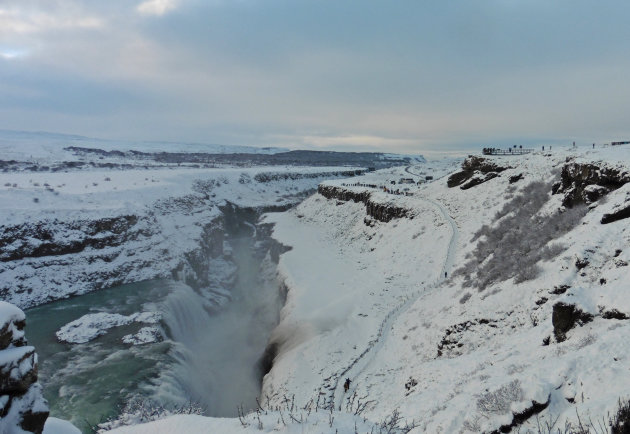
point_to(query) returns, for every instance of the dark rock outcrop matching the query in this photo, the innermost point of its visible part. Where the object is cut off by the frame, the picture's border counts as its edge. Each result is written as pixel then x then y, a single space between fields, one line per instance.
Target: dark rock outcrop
pixel 55 238
pixel 581 263
pixel 380 211
pixel 477 179
pixel 620 214
pixel 588 182
pixel 475 171
pixel 519 418
pixel 565 317
pixel 22 405
pixel 614 314
pixel 559 289
pixel 457 178
pixel 452 342
pixel 283 176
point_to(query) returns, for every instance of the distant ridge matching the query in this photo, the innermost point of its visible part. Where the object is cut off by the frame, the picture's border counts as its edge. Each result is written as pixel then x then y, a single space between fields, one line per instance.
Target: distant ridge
pixel 44 146
pixel 41 142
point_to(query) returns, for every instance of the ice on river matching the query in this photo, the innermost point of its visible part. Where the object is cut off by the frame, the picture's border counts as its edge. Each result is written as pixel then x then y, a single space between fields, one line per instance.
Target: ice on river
pixel 93 325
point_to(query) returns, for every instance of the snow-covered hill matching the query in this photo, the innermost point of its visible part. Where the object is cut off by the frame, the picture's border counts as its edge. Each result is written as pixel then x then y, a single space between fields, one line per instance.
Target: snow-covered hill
pixel 527 327
pixel 49 147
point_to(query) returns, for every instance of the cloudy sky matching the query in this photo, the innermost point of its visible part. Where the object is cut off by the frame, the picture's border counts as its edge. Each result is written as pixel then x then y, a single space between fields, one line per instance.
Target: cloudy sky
pixel 406 76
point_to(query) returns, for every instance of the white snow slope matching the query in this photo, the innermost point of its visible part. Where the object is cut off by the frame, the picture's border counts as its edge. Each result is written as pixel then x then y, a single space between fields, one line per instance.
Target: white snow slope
pixel 369 303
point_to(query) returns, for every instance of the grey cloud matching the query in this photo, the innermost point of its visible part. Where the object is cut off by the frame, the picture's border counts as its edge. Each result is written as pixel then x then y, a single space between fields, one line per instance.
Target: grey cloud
pixel 259 72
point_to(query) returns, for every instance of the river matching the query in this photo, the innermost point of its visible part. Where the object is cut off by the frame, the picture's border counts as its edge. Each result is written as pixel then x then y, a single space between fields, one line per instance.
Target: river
pixel 209 356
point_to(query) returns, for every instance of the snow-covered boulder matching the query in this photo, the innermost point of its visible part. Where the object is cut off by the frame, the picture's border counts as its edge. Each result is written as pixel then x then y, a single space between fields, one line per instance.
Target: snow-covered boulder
pixel 146 335
pixel 22 406
pixel 93 325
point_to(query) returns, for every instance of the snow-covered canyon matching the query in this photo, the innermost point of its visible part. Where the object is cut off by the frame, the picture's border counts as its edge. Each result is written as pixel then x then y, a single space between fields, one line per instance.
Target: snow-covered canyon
pixel 170 275
pixel 491 298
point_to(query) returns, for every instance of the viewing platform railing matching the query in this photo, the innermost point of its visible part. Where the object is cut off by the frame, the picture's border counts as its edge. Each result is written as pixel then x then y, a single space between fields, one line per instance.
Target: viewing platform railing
pixel 510 151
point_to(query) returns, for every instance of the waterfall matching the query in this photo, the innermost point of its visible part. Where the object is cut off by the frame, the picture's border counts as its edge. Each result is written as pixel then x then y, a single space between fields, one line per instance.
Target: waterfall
pixel 216 354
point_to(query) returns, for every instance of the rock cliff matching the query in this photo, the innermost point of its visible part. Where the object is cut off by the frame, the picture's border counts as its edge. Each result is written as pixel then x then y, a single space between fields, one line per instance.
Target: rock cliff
pixel 22 405
pixel 588 182
pixel 475 171
pixel 49 259
pixel 383 212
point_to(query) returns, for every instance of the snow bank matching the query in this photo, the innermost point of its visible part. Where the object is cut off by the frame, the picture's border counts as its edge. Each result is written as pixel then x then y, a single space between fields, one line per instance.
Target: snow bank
pixel 59 426
pixel 268 422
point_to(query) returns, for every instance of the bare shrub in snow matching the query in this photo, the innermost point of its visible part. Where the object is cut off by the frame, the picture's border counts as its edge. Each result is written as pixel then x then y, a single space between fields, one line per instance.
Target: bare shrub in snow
pixel 392 424
pixel 529 272
pixel 620 422
pixel 204 186
pixel 244 178
pixel 295 418
pixel 141 411
pixel 500 401
pixel 356 404
pixel 472 425
pixel 549 427
pixel 518 240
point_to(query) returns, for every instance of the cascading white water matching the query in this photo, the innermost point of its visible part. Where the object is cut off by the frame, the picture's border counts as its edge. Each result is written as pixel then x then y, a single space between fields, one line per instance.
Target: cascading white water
pixel 217 354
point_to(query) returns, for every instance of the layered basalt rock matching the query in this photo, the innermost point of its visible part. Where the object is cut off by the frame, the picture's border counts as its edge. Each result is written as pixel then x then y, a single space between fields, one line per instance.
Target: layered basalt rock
pixel 22 406
pixel 56 238
pixel 475 171
pixel 383 212
pixel 50 259
pixel 588 182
